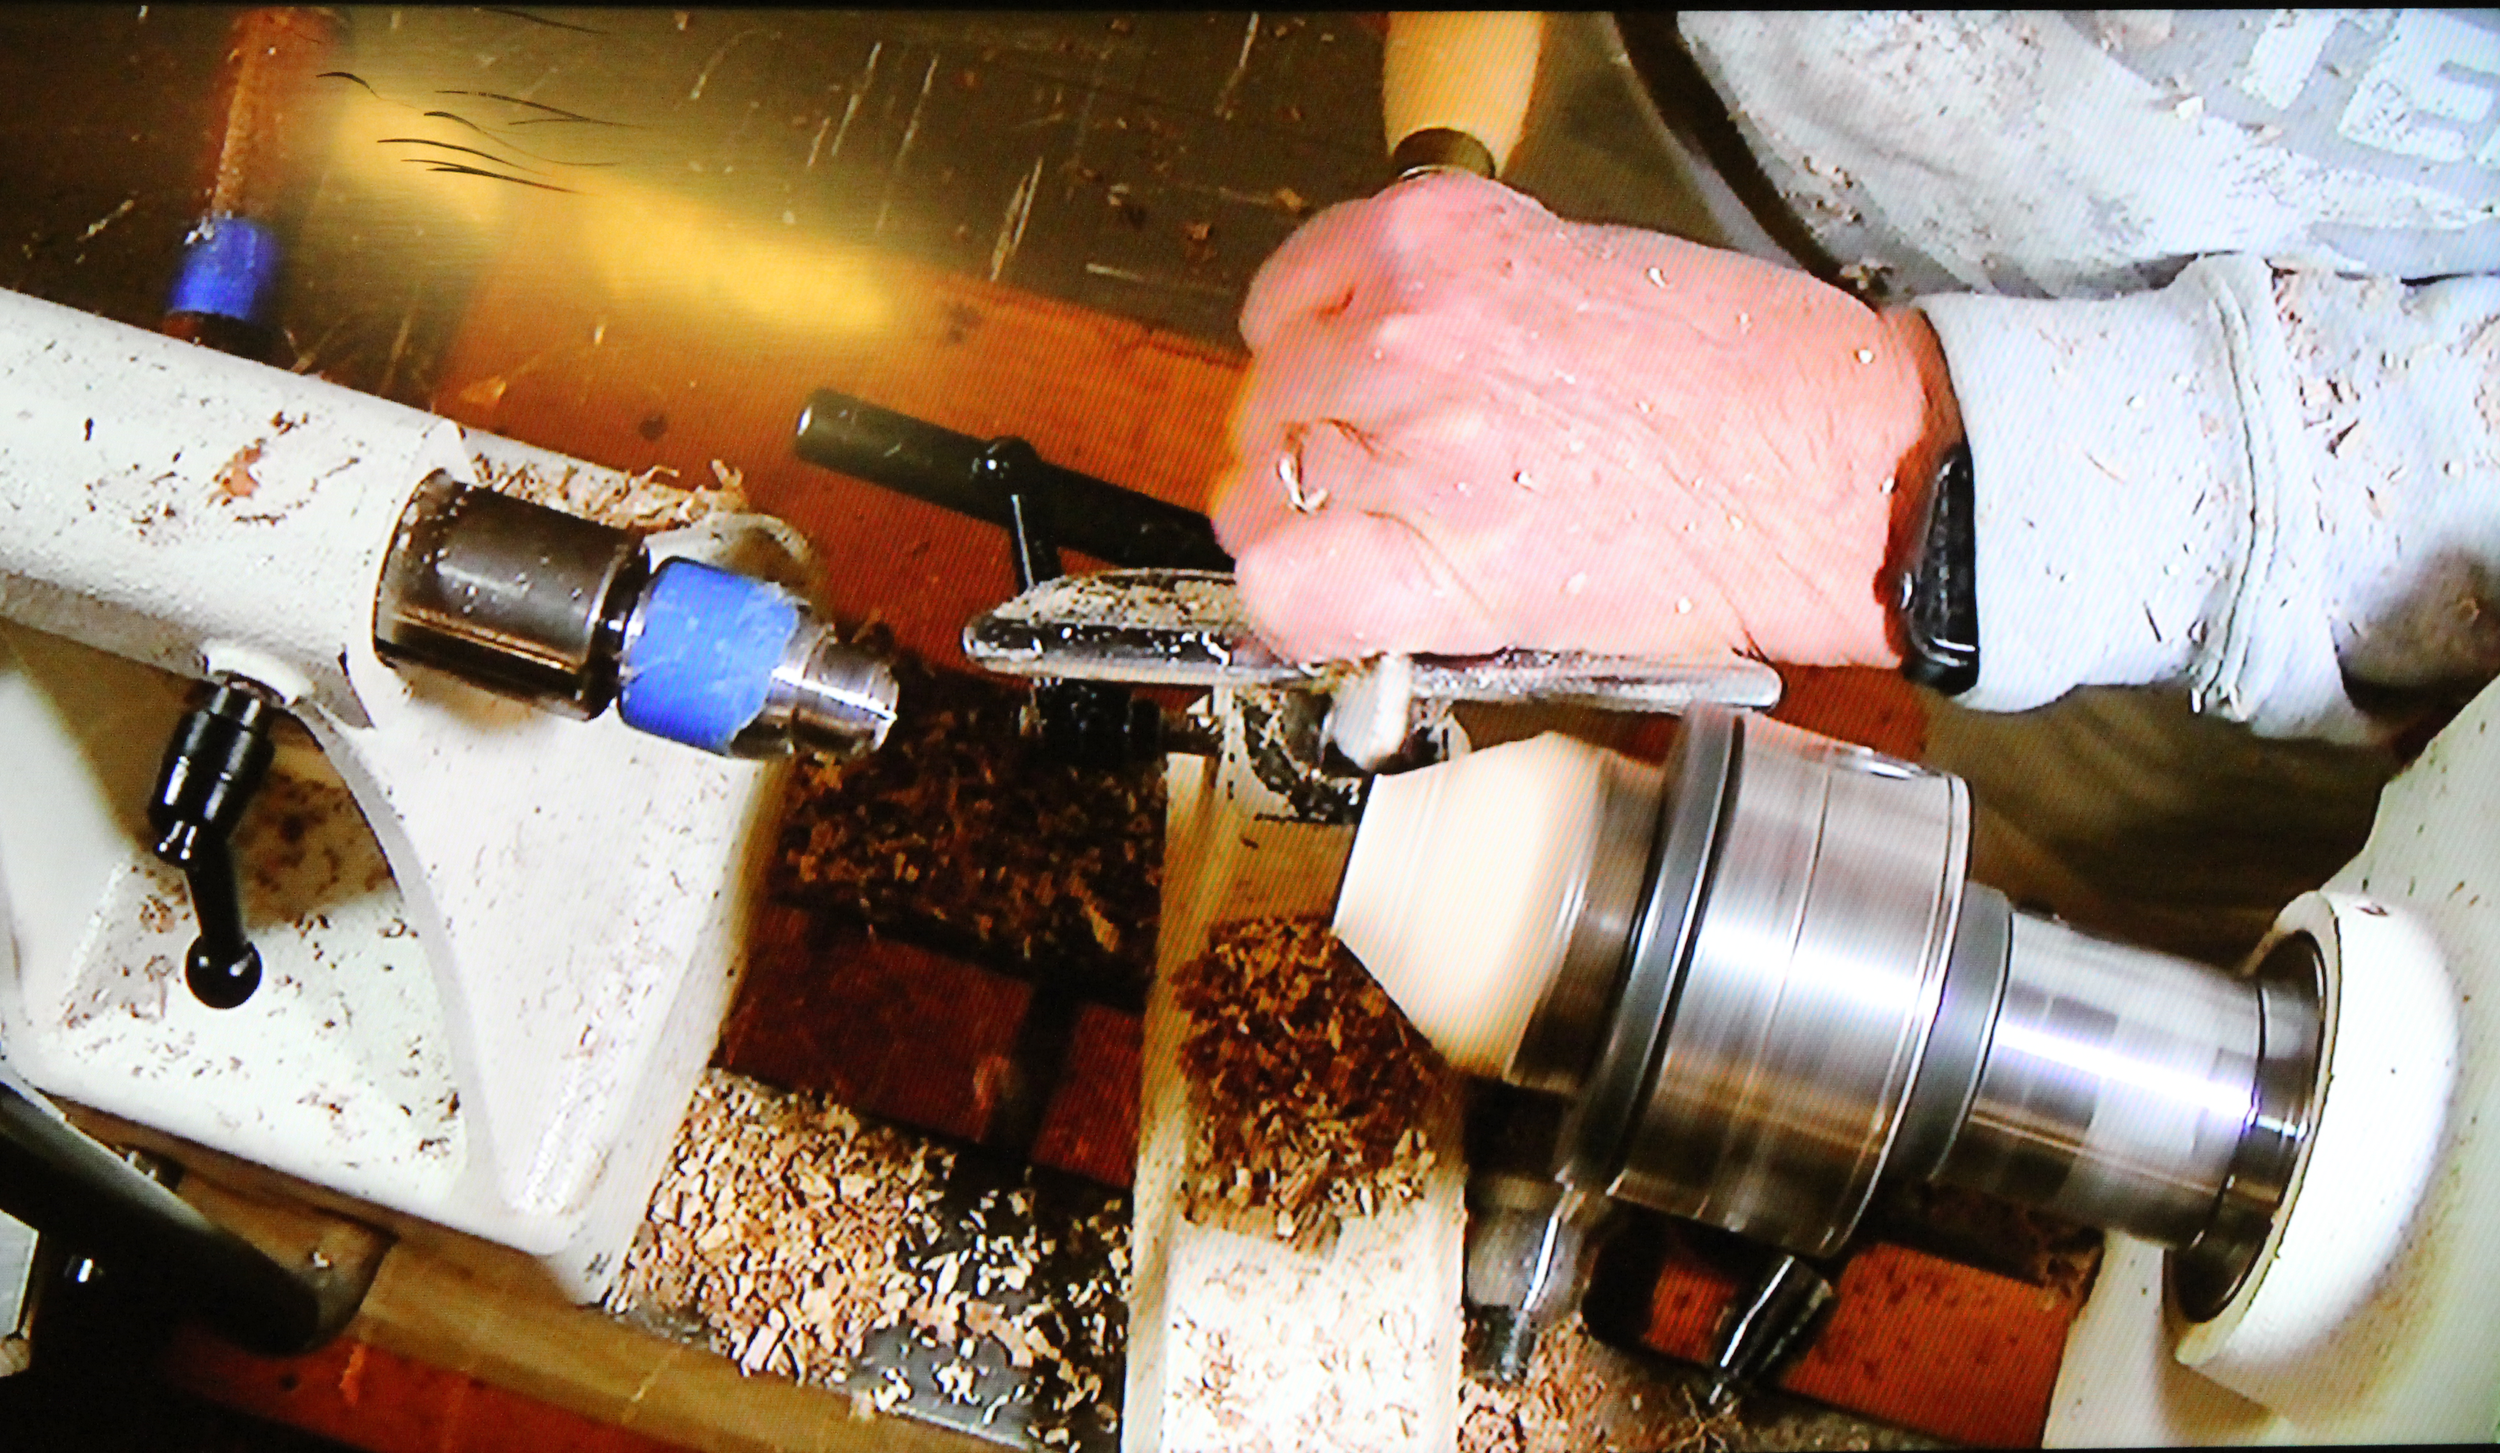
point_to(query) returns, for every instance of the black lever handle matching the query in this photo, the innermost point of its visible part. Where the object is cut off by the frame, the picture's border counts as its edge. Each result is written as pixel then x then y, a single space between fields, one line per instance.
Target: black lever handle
pixel 960 473
pixel 1042 507
pixel 215 762
pixel 1089 723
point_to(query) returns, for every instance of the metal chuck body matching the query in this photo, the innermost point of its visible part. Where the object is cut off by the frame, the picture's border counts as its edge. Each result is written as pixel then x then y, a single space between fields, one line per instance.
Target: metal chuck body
pixel 571 615
pixel 1836 1005
pixel 1771 988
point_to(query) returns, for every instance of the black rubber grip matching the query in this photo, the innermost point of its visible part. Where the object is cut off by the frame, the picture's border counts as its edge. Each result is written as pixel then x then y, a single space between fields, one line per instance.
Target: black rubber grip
pixel 980 477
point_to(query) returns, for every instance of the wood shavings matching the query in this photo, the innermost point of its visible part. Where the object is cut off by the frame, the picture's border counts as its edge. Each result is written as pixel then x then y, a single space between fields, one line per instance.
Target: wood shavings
pixel 777 1230
pixel 1582 1395
pixel 794 1240
pixel 1275 1352
pixel 234 478
pixel 641 502
pixel 1565 1404
pixel 1314 1086
pixel 965 837
pixel 1022 1312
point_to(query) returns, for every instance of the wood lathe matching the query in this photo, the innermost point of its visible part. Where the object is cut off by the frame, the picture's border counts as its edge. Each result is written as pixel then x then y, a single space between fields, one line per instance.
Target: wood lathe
pixel 427 1035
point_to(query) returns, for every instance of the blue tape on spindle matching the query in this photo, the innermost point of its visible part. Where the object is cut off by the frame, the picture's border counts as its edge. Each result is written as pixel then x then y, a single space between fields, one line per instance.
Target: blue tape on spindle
pixel 700 657
pixel 226 270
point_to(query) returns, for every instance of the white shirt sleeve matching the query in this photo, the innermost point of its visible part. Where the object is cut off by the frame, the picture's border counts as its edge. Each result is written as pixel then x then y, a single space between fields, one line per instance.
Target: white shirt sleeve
pixel 2252 482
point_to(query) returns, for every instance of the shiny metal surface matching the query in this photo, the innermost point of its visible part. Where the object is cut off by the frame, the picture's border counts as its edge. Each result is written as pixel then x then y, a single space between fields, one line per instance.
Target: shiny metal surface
pixel 2291 987
pixel 1441 150
pixel 1674 893
pixel 1775 1319
pixel 1527 1259
pixel 2117 1086
pixel 825 697
pixel 1798 994
pixel 514 596
pixel 1957 1047
pixel 1185 628
pixel 1815 973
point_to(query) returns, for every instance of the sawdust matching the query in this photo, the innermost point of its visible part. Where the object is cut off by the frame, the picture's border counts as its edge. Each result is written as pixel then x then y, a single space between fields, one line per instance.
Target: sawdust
pixel 639 502
pixel 966 837
pixel 777 1230
pixel 1584 1396
pixel 794 1239
pixel 304 844
pixel 1573 1401
pixel 235 479
pixel 1054 1301
pixel 1312 1084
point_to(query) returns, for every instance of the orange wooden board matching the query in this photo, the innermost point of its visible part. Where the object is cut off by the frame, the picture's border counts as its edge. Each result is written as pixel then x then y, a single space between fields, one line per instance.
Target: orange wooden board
pixel 376 1400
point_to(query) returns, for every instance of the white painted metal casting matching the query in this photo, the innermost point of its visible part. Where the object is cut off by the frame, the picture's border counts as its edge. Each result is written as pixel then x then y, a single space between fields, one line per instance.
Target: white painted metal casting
pixel 498 943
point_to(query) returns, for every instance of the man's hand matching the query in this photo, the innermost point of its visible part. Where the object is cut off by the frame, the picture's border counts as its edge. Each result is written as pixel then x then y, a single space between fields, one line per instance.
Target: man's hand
pixel 1471 425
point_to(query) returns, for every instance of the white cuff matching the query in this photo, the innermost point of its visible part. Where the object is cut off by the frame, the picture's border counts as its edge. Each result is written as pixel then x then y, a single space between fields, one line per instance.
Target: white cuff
pixel 2144 508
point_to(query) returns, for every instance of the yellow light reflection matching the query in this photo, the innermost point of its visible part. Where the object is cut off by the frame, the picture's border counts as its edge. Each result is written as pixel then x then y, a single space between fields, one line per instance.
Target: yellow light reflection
pixel 649 246
pixel 646 246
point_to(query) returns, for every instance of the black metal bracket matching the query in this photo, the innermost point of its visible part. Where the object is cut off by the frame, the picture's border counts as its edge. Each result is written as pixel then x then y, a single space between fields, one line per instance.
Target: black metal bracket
pixel 57 1179
pixel 1770 1325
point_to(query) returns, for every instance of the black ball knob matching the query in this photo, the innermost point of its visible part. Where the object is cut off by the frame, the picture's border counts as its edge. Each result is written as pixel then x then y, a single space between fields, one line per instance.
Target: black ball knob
pixel 219 981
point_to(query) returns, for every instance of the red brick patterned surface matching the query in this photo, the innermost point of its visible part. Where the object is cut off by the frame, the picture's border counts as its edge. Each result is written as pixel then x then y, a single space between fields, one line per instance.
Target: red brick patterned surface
pixel 1912 1339
pixel 1091 1125
pixel 884 1027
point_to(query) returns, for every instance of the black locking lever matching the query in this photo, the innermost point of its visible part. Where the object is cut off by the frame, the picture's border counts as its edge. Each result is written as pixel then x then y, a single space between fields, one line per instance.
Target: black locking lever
pixel 978 477
pixel 1042 507
pixel 215 762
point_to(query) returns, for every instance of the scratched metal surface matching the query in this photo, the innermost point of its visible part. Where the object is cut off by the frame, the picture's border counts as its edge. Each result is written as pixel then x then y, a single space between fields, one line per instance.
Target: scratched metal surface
pixel 1139 164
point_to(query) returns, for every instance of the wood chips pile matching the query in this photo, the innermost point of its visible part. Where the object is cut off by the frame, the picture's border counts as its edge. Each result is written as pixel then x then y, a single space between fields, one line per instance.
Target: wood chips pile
pixel 1583 1396
pixel 967 838
pixel 1052 1294
pixel 777 1230
pixel 1312 1084
pixel 789 1237
pixel 1571 1401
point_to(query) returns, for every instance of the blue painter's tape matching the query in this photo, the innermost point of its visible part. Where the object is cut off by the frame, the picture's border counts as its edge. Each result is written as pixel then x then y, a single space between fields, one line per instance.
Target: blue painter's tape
pixel 227 270
pixel 700 657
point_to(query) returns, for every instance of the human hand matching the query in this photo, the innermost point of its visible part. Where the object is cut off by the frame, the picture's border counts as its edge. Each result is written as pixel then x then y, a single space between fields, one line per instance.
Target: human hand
pixel 1470 425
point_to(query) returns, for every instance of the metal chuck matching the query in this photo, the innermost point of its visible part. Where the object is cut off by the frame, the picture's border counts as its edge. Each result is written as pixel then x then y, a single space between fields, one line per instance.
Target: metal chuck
pixel 571 615
pixel 1764 986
